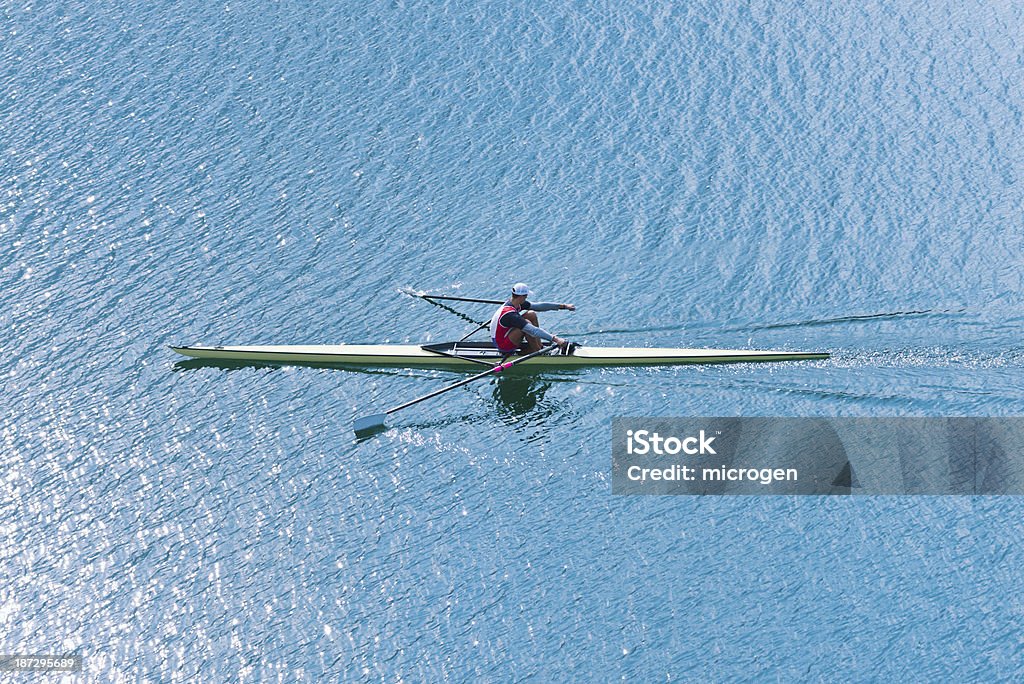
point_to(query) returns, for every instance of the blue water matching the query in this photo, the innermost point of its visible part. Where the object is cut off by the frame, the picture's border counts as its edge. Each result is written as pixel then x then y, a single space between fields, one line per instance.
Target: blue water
pixel 784 175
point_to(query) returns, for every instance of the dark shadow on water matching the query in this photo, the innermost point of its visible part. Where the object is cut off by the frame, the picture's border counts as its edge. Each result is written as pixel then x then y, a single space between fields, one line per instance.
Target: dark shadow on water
pixel 518 396
pixel 196 364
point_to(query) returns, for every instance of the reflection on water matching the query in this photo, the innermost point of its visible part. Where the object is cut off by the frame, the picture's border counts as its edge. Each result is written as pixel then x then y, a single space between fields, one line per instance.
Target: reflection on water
pixel 196 364
pixel 516 396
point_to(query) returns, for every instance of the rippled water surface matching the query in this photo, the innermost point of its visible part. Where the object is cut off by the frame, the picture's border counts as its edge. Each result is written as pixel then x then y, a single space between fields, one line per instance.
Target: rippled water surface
pixel 749 175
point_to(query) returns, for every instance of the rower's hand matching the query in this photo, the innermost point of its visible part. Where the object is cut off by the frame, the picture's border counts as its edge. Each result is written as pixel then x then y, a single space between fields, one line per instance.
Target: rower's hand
pixel 570 307
pixel 560 342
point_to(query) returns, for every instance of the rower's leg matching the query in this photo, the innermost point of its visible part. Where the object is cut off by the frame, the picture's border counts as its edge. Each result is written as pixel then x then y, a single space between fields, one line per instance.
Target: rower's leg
pixel 534 343
pixel 515 335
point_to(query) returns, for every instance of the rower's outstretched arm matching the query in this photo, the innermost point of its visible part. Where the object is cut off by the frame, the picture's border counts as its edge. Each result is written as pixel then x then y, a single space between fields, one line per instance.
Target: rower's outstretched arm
pixel 550 306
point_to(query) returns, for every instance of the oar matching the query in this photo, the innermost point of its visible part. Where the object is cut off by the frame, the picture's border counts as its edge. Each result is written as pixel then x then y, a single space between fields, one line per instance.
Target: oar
pixel 425 295
pixel 377 420
pixel 463 299
pixel 472 332
pixel 461 358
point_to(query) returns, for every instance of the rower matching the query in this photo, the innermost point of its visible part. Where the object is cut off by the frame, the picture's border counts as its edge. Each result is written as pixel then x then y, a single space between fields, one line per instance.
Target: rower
pixel 514 326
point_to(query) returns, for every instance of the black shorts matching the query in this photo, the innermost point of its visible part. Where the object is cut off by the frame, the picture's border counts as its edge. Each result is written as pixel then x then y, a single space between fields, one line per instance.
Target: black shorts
pixel 524 346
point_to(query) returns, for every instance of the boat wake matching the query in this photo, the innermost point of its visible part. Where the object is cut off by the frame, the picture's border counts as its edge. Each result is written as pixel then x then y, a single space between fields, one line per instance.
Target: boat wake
pixel 855 318
pixel 807 323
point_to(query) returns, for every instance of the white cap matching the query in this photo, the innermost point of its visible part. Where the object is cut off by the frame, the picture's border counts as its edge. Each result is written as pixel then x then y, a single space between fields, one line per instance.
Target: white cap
pixel 520 289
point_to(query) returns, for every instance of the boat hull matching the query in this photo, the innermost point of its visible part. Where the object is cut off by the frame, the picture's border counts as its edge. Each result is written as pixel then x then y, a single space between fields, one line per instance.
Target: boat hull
pixel 414 355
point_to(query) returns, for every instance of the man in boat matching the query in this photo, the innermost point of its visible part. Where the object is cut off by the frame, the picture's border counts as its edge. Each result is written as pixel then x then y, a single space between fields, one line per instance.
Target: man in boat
pixel 514 326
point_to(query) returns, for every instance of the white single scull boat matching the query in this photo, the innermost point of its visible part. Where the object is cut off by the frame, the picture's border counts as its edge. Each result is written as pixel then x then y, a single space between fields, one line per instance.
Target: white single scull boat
pixel 470 354
pixel 465 354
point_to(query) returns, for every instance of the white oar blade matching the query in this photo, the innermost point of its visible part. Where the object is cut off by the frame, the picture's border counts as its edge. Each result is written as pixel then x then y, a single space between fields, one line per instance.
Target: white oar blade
pixel 368 423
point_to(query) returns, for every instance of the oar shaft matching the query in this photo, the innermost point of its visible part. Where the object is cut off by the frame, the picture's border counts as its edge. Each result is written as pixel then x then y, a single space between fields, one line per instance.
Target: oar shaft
pixel 460 299
pixel 473 331
pixel 440 391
